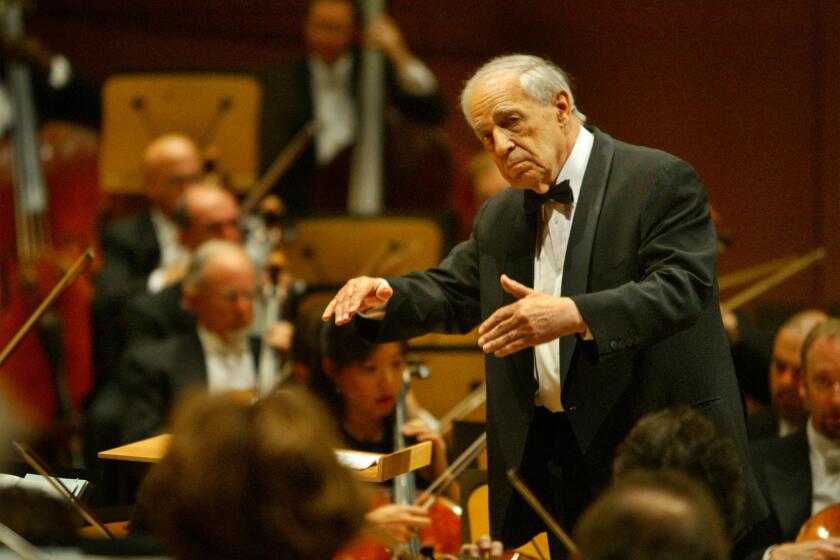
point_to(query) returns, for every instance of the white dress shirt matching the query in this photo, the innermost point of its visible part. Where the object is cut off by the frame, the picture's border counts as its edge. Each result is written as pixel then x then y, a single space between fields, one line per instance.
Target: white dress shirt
pixel 825 470
pixel 552 239
pixel 171 250
pixel 230 364
pixel 334 106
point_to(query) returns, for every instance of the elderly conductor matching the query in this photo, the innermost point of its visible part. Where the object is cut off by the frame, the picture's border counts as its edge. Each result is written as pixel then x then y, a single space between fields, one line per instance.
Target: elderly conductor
pixel 593 282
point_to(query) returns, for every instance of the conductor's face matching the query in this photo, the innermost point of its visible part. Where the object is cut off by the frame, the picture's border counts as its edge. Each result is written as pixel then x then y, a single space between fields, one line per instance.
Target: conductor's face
pixel 529 141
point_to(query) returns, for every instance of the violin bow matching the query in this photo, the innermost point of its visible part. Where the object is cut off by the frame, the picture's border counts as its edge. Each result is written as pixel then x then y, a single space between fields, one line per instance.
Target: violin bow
pixel 44 470
pixel 545 515
pixel 69 277
pixel 476 398
pixel 791 269
pixel 281 164
pixel 447 477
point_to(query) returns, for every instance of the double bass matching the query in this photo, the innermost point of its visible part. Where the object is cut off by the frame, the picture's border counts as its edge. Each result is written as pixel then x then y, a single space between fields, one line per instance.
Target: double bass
pixel 50 374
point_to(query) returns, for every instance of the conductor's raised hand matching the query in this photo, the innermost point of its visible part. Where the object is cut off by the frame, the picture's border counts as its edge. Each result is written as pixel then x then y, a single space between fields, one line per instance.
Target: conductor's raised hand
pixel 357 295
pixel 534 319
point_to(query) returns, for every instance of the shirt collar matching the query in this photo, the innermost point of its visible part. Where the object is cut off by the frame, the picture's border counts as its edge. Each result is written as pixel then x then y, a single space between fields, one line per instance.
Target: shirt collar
pixel 212 343
pixel 820 445
pixel 575 165
pixel 337 73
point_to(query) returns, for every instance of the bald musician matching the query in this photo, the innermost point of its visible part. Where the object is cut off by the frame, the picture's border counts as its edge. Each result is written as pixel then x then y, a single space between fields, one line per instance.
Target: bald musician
pixel 787 413
pixel 205 212
pixel 142 252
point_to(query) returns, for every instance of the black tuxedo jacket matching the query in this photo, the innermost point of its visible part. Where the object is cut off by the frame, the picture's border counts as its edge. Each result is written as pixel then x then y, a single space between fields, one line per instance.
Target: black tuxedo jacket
pixel 158 316
pixel 130 252
pixel 783 470
pixel 640 266
pixel 762 424
pixel 153 375
pixel 288 105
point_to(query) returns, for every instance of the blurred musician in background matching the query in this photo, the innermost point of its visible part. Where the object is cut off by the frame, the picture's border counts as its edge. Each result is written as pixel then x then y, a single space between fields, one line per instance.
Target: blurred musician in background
pixel 220 289
pixel 142 252
pixel 800 473
pixel 787 413
pixel 324 86
pixel 206 211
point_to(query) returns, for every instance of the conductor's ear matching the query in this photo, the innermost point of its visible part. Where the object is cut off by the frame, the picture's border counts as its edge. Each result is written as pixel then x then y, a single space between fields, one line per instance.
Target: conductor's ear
pixel 563 105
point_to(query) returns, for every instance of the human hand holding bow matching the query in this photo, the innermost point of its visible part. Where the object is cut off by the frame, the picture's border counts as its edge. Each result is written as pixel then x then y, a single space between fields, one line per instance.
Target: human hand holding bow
pixel 534 319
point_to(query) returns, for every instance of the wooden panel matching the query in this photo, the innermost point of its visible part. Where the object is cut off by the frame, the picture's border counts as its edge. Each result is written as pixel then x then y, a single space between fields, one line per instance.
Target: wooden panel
pixel 453 375
pixel 744 91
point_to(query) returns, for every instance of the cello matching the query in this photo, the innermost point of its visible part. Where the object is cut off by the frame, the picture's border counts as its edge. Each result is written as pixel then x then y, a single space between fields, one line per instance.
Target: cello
pixel 50 374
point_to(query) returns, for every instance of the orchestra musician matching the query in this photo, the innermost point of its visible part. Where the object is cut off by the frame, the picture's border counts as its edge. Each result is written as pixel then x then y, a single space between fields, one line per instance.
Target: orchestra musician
pixel 800 473
pixel 615 302
pixel 219 288
pixel 324 86
pixel 142 252
pixel 787 413
pixel 360 383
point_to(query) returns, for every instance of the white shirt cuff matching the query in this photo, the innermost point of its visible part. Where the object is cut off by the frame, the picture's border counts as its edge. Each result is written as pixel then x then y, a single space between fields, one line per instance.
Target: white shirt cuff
pixel 157 280
pixel 415 78
pixel 60 72
pixel 376 313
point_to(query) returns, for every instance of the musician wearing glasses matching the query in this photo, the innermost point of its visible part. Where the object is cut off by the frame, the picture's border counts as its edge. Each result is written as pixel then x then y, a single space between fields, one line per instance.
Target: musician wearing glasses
pixel 220 288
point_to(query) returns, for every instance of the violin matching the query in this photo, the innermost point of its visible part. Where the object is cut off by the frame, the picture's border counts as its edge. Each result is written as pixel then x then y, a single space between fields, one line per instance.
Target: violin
pixel 822 525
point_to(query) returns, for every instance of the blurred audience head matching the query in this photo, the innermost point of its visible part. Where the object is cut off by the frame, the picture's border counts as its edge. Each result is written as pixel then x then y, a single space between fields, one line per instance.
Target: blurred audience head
pixel 170 163
pixel 253 481
pixel 652 515
pixel 820 388
pixel 207 211
pixel 220 288
pixel 786 366
pixel 331 28
pixel 682 439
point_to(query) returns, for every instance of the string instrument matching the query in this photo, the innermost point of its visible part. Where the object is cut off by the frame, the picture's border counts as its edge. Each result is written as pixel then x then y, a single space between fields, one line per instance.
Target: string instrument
pixel 41 467
pixel 782 273
pixel 822 525
pixel 365 192
pixel 270 364
pixel 532 500
pixel 464 408
pixel 52 372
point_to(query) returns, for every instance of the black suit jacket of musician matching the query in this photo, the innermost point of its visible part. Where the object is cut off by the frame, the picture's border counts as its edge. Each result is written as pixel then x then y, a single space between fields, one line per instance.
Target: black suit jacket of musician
pixel 288 105
pixel 783 469
pixel 640 266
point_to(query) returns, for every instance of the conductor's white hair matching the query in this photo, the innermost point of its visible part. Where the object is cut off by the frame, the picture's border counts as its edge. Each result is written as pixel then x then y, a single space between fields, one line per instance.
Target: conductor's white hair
pixel 539 78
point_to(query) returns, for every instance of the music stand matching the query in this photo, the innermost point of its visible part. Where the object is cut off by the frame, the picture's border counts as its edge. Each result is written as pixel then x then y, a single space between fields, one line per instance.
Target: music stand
pixel 328 251
pixel 219 111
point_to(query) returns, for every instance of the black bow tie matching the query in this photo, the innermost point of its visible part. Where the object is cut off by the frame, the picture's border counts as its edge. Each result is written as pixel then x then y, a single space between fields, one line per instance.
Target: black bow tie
pixel 561 192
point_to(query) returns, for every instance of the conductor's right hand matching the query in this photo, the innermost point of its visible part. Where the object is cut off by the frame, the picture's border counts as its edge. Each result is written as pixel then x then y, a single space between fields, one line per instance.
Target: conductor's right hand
pixel 358 295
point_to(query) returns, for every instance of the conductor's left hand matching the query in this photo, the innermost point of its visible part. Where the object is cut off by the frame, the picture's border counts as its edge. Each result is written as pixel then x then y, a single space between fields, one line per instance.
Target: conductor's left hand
pixel 534 319
pixel 358 294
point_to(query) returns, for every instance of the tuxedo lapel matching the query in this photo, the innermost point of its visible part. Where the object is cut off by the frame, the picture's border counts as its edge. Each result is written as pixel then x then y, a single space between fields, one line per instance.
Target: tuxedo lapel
pixel 519 265
pixel 189 365
pixel 582 235
pixel 789 481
